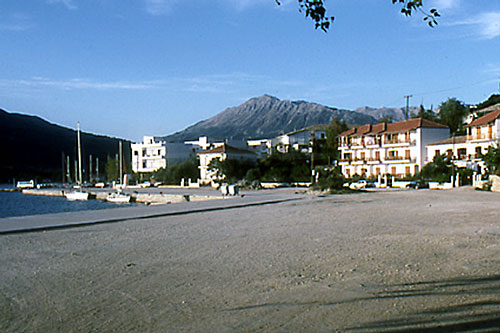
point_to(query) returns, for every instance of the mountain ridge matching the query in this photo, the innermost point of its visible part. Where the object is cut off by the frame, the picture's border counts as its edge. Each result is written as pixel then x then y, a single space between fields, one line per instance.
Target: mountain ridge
pixel 266 116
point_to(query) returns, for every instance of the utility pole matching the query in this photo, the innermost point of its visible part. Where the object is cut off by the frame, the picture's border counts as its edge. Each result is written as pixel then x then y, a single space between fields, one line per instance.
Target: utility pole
pixel 408 105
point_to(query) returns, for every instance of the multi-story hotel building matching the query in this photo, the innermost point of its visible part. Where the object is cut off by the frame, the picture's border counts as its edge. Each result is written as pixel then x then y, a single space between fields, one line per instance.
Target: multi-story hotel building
pixel 466 151
pixel 397 148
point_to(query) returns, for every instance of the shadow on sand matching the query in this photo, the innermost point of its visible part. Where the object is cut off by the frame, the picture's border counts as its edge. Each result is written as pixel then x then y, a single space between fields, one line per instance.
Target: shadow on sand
pixel 482 315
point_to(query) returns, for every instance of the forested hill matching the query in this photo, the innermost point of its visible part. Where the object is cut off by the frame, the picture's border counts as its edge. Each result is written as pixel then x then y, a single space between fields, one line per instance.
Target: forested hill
pixel 31 147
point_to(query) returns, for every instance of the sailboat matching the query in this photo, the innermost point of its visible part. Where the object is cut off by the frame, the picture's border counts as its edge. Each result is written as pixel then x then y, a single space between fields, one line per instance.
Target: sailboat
pixel 120 196
pixel 79 194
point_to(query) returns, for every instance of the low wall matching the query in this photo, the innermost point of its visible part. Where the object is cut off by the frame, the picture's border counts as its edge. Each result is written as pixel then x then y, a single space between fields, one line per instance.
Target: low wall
pixel 276 185
pixel 440 186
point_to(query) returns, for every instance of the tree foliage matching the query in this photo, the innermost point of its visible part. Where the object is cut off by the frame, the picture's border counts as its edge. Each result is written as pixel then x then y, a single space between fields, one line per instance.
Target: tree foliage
pixel 492 159
pixel 173 174
pixel 332 143
pixel 426 114
pixel 288 167
pixel 230 170
pixel 438 170
pixel 316 11
pixel 112 170
pixel 331 179
pixel 452 114
pixel 492 100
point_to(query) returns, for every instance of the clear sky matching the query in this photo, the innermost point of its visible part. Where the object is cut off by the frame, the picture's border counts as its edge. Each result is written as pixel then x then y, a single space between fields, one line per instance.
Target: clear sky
pixel 130 68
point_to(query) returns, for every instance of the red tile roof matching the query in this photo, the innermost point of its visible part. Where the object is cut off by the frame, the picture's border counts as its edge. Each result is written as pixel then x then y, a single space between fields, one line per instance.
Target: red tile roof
pixel 486 119
pixel 394 127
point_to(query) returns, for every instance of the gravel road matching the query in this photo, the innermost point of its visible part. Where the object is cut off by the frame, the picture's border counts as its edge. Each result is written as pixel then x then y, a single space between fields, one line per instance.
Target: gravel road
pixel 383 261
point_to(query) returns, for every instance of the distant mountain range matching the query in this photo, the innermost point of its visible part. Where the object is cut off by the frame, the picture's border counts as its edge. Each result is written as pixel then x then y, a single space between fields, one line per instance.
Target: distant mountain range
pixel 267 116
pixel 31 147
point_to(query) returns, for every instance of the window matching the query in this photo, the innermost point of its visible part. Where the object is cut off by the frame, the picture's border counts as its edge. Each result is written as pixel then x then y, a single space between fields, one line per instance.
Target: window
pixel 407 154
pixel 393 171
pixel 136 153
pixel 377 171
pixel 437 152
pixel 377 155
pixel 144 152
pixel 407 170
pixel 363 155
pixel 144 165
pixel 478 152
pixel 348 173
pixel 462 153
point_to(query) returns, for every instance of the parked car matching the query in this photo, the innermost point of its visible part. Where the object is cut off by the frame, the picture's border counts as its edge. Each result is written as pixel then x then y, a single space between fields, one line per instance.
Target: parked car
pixel 416 184
pixel 361 184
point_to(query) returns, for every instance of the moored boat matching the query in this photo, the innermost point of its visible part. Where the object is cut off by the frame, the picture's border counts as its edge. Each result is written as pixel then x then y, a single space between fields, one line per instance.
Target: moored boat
pixel 77 196
pixel 117 197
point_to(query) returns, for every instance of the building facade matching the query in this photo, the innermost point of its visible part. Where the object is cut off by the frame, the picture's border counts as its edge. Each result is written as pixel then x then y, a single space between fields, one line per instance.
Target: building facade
pixel 149 155
pixel 397 148
pixel 466 151
pixel 222 152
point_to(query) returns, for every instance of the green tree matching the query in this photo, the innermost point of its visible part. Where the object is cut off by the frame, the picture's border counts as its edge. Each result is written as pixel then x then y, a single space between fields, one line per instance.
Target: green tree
pixel 426 114
pixel 332 143
pixel 316 11
pixel 288 167
pixel 452 114
pixel 439 169
pixel 231 170
pixel 492 100
pixel 112 170
pixel 173 174
pixel 492 159
pixel 331 179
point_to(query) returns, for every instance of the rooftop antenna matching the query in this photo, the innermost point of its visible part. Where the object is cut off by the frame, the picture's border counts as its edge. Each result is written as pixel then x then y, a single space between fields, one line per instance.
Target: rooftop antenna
pixel 407 105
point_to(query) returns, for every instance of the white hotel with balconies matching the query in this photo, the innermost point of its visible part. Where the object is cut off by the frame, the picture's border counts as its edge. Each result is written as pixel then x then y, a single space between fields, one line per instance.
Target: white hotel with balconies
pixel 398 149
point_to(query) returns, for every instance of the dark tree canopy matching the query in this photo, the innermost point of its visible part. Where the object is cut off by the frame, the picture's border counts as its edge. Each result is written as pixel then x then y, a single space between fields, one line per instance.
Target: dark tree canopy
pixel 452 114
pixel 316 11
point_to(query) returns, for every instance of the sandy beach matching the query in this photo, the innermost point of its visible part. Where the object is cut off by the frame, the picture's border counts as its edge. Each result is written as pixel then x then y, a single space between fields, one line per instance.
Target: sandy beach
pixel 384 261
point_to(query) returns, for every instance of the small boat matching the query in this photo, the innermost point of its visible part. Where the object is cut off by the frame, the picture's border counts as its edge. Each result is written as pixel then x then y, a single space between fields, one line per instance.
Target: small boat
pixel 117 197
pixel 25 184
pixel 77 196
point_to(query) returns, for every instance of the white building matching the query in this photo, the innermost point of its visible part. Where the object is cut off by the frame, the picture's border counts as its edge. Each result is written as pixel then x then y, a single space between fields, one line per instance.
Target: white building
pixel 149 155
pixel 222 152
pixel 397 149
pixel 466 150
pixel 298 140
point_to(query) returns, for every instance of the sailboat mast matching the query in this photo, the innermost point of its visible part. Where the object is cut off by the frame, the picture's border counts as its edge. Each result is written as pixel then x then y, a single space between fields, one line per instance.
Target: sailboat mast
pixel 79 155
pixel 120 147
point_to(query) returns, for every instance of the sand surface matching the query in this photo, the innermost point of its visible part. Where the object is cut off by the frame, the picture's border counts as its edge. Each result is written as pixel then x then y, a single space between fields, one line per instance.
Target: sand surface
pixel 385 261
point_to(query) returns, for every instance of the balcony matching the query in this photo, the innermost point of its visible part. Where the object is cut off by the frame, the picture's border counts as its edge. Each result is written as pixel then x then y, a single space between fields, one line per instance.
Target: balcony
pixel 399 159
pixel 398 142
pixel 480 137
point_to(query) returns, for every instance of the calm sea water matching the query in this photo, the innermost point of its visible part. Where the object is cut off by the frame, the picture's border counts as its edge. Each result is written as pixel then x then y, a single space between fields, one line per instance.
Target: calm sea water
pixel 18 204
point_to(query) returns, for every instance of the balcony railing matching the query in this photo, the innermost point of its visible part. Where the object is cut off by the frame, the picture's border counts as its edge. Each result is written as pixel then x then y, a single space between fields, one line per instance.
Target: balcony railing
pixel 480 137
pixel 398 141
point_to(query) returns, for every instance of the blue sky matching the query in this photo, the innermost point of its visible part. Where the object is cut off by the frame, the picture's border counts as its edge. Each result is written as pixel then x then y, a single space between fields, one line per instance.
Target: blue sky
pixel 152 67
